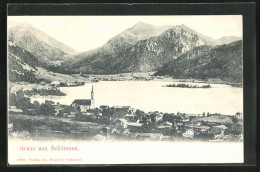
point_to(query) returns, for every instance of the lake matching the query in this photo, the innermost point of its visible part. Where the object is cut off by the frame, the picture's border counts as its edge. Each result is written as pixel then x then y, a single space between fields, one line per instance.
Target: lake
pixel 152 96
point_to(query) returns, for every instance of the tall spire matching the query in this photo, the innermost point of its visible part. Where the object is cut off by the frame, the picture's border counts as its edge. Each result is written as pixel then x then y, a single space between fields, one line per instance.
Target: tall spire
pixel 92 98
pixel 92 90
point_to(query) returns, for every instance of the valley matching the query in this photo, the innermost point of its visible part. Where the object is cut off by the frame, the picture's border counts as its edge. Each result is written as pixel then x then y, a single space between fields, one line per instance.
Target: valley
pixel 163 50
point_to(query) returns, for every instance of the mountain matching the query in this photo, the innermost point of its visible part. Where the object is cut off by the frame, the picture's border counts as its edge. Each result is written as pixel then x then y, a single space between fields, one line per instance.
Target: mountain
pixel 213 42
pixel 206 38
pixel 226 40
pixel 223 62
pixel 140 48
pixel 22 65
pixel 138 32
pixel 122 41
pixel 42 46
pixel 25 67
pixel 170 50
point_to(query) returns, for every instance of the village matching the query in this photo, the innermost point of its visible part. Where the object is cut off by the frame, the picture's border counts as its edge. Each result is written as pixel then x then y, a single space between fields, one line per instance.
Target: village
pixel 82 119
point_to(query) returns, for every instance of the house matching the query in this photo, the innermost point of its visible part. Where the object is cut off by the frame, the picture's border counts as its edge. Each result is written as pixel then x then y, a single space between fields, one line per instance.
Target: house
pixel 42 83
pixel 237 127
pixel 149 136
pixel 88 113
pixel 204 130
pixel 126 108
pixel 165 125
pixel 189 133
pixel 85 104
pixel 104 107
pixel 219 136
pixel 57 109
pixel 215 131
pixel 182 119
pixel 55 83
pixel 167 138
pixel 221 127
pixel 71 115
pixel 10 127
pixel 169 123
pixel 198 128
pixel 14 109
pixel 133 126
pixel 159 117
pixel 180 125
pixel 49 102
pixel 130 117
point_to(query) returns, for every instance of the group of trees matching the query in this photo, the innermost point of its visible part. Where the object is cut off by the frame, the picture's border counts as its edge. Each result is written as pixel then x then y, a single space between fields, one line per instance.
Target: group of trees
pixel 21 102
pixel 188 86
pixel 24 75
pixel 44 92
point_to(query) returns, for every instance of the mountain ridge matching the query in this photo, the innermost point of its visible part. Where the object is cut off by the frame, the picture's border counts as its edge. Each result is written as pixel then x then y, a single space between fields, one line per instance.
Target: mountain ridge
pixel 141 48
pixel 44 47
pixel 222 61
pixel 122 59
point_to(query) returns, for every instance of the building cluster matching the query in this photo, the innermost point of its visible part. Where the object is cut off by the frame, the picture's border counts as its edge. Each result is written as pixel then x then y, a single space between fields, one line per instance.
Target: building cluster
pixel 122 77
pixel 127 123
pixel 162 126
pixel 64 84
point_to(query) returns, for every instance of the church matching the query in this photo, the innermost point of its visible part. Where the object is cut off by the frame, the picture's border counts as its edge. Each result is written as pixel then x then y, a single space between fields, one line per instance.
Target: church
pixel 85 104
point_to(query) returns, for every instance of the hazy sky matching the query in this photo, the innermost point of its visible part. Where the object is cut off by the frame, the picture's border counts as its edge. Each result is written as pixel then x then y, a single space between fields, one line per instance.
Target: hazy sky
pixel 88 32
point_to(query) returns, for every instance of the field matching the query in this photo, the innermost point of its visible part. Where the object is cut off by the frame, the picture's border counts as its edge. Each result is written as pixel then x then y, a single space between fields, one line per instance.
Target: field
pixel 42 127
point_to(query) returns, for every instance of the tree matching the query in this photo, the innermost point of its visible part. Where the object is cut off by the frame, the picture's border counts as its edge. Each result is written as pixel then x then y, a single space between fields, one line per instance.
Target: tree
pixel 46 109
pixel 139 113
pixel 20 94
pixel 153 117
pixel 12 99
pixel 234 119
pixel 23 103
pixel 36 103
pixel 166 117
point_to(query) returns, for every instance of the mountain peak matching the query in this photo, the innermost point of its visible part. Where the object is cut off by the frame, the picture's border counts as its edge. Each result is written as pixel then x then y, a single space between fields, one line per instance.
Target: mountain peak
pixel 140 23
pixel 183 25
pixel 206 38
pixel 12 24
pixel 141 26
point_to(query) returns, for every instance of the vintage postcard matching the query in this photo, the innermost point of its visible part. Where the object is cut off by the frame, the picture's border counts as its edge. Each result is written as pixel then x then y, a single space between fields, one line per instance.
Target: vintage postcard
pixel 125 89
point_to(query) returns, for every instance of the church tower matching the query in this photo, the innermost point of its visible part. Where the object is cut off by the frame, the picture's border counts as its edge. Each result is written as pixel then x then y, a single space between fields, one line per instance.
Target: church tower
pixel 92 98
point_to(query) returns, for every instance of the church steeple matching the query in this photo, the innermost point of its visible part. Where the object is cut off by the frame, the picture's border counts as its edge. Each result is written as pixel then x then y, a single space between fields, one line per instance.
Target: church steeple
pixel 92 98
pixel 92 93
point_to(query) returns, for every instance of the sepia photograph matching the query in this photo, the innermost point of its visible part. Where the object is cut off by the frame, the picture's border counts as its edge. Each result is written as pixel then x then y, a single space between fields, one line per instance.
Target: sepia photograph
pixel 125 89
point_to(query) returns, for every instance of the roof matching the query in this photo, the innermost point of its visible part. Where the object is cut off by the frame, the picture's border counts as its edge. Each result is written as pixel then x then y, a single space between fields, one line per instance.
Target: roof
pixel 12 107
pixel 55 82
pixel 135 124
pixel 82 101
pixel 130 115
pixel 149 134
pixel 121 107
pixel 131 123
pixel 166 124
pixel 238 123
pixel 221 126
pixel 104 106
pixel 57 107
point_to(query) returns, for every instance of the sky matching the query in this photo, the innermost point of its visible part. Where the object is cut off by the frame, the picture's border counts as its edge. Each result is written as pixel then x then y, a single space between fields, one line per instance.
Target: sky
pixel 88 32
